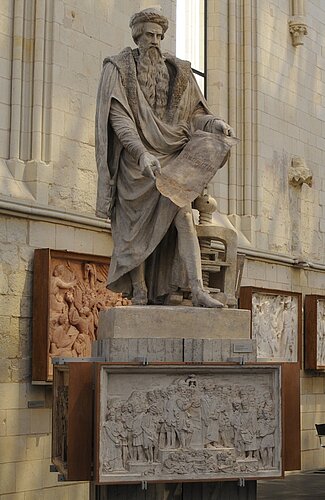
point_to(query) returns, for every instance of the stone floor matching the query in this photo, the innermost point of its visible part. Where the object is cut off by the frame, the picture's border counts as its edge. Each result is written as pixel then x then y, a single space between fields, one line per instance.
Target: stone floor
pixel 310 484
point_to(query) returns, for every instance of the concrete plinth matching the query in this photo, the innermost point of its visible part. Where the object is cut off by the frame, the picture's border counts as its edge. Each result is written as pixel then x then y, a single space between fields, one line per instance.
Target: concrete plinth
pixel 174 322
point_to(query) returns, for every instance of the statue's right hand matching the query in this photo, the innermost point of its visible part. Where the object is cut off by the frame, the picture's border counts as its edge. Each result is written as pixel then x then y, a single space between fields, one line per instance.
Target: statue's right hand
pixel 149 165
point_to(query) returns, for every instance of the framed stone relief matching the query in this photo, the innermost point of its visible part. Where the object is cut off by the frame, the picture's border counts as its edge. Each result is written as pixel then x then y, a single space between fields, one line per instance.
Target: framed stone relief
pixel 275 323
pixel 69 290
pixel 179 423
pixel 315 332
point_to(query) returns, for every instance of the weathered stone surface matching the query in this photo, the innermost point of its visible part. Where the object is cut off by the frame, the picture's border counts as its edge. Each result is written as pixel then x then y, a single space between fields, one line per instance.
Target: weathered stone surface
pixel 130 350
pixel 173 350
pixel 173 322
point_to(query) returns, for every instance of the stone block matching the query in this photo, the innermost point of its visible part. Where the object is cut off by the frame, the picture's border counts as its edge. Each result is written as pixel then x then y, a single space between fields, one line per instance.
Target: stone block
pixel 50 479
pixel 173 322
pixel 3 422
pixel 129 350
pixel 103 243
pixel 175 350
pixel 12 396
pixel 8 478
pixel 18 422
pixel 308 421
pixel 29 475
pixel 306 385
pixel 40 421
pixel 13 449
pixel 84 241
pixel 64 237
pixel 219 350
pixel 318 385
pixel 42 235
pixel 35 447
pixel 80 491
pixel 40 495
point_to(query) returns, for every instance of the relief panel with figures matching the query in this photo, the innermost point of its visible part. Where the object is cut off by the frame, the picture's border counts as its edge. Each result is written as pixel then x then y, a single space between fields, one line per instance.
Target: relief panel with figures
pixel 181 423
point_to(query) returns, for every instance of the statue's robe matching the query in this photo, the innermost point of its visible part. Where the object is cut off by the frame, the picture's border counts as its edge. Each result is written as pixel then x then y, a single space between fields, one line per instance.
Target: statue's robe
pixel 126 126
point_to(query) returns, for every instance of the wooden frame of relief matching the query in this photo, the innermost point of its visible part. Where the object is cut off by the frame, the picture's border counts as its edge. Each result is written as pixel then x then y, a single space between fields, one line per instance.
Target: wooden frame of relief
pixel 276 323
pixel 72 420
pixel 187 422
pixel 69 289
pixel 315 332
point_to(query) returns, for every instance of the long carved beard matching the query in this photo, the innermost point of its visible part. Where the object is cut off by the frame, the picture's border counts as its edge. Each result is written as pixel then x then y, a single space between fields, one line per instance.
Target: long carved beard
pixel 153 78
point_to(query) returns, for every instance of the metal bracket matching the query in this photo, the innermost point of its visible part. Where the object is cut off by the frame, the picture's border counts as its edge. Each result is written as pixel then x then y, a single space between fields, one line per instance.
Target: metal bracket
pixel 143 360
pixel 237 359
pixel 241 482
pixel 144 485
pixel 36 404
pixel 62 361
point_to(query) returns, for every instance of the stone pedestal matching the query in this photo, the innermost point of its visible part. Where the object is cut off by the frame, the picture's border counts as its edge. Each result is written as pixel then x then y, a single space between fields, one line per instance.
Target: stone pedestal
pixel 122 350
pixel 175 334
pixel 174 322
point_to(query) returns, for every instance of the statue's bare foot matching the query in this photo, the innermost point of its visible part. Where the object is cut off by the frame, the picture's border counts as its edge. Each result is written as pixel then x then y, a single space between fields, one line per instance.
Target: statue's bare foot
pixel 140 296
pixel 200 298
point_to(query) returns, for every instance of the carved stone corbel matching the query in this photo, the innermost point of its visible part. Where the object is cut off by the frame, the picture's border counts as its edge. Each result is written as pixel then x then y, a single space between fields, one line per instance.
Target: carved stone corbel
pixel 298 29
pixel 297 23
pixel 299 173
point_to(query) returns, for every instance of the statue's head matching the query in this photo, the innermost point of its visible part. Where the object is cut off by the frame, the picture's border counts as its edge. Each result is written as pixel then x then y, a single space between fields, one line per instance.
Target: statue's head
pixel 148 20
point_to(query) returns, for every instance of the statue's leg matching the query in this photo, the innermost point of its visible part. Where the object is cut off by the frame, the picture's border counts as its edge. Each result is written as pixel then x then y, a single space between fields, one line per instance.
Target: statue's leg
pixel 140 292
pixel 189 250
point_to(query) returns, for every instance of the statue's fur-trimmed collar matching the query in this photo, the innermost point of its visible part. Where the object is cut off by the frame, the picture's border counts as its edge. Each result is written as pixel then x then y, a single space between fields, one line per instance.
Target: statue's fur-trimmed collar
pixel 179 74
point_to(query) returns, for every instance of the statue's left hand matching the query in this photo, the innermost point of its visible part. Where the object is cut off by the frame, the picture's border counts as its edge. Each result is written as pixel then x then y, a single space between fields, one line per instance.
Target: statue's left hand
pixel 149 165
pixel 224 127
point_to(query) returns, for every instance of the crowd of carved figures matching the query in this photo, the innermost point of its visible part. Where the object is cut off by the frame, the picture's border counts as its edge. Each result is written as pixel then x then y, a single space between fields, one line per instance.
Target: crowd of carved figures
pixel 77 293
pixel 275 326
pixel 190 425
pixel 321 332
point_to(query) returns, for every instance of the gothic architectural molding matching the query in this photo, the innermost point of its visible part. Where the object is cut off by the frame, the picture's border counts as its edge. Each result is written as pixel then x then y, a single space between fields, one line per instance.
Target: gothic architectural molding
pixel 297 23
pixel 243 174
pixel 29 159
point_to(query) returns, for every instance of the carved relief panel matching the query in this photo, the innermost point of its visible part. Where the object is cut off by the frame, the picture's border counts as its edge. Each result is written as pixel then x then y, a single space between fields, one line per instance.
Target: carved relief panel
pixel 181 423
pixel 315 332
pixel 69 291
pixel 276 323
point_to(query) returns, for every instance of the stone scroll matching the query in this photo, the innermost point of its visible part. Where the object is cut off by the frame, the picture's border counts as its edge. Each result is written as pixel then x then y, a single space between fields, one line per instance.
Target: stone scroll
pixel 181 423
pixel 184 179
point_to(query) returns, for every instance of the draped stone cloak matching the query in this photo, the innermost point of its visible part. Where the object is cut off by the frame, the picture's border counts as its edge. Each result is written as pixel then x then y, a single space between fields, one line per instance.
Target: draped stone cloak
pixel 142 218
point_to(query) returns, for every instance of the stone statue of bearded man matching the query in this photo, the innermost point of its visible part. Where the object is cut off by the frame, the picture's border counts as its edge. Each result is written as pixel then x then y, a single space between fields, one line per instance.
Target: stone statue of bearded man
pixel 148 107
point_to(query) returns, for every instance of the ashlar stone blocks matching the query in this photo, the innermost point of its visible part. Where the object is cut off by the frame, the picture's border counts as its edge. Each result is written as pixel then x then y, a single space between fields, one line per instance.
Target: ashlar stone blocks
pixel 174 322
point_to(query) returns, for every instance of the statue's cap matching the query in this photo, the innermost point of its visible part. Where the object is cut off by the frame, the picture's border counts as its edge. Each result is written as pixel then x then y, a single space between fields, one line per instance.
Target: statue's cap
pixel 149 16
